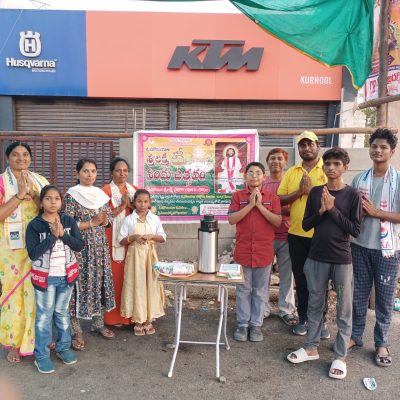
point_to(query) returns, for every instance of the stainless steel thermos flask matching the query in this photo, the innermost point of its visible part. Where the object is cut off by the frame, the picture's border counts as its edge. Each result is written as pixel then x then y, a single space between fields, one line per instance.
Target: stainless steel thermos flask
pixel 208 244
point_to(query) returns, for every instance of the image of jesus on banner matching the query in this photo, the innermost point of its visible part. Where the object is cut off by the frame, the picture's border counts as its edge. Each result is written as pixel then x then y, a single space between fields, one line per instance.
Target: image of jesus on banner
pixel 230 177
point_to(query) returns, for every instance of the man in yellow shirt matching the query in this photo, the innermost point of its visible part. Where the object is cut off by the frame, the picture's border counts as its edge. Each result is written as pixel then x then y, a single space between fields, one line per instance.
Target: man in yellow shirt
pixel 293 190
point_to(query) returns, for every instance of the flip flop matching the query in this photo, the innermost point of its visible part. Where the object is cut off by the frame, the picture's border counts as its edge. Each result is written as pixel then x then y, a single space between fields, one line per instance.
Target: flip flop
pixel 340 366
pixel 288 319
pixel 354 346
pixel 106 333
pixel 301 356
pixel 78 343
pixel 383 361
pixel 138 330
pixel 149 329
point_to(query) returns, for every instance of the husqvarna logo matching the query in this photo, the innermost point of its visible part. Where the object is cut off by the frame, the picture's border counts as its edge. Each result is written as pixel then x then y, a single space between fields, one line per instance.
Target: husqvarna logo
pixel 215 54
pixel 30 44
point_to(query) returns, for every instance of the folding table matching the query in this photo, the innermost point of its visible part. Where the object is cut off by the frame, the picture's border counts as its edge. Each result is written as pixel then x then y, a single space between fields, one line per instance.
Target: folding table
pixel 206 280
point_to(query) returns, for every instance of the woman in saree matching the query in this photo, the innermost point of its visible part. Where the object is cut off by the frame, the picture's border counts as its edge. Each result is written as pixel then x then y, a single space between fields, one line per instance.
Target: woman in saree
pixel 19 204
pixel 121 194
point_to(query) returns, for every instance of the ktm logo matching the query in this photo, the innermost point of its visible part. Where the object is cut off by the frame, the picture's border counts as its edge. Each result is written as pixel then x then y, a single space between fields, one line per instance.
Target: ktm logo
pixel 210 55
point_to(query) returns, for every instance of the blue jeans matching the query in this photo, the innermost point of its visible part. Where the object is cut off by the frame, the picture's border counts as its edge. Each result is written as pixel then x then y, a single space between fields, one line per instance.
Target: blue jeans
pixel 251 296
pixel 52 304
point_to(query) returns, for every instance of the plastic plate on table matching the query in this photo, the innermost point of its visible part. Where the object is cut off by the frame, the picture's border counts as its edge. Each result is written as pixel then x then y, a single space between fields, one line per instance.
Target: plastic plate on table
pixel 177 276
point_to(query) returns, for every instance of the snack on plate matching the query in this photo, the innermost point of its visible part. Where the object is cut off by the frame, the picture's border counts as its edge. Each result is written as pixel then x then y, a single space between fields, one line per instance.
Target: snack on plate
pixel 174 268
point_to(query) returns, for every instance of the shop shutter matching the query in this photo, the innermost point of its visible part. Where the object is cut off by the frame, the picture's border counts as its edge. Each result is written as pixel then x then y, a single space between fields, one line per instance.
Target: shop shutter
pixel 259 115
pixel 84 115
pixel 88 115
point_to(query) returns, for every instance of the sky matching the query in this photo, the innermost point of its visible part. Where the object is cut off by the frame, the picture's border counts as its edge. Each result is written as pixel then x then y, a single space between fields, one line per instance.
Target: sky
pixel 214 6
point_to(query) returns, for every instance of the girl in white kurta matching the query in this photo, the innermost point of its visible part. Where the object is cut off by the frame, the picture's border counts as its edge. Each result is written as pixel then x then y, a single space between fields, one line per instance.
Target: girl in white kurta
pixel 142 298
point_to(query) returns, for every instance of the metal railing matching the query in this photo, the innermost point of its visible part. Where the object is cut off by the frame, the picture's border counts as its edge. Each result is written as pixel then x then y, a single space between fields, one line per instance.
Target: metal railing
pixel 55 157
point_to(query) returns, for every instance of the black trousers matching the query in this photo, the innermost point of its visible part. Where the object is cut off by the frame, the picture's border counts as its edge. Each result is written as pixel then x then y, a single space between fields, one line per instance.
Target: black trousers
pixel 299 247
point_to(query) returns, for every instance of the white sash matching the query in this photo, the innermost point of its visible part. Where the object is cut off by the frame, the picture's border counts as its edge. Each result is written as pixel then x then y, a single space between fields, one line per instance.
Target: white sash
pixel 387 203
pixel 14 224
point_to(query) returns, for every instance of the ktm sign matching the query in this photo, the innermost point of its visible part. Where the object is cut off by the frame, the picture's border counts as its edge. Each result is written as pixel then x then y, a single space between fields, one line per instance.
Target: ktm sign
pixel 215 54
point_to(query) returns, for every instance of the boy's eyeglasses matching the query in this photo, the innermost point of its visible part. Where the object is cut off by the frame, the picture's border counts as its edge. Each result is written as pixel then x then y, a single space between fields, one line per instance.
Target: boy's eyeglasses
pixel 251 174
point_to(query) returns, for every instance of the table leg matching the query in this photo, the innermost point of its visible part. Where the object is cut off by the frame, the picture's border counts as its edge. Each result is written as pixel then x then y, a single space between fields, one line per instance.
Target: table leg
pixel 225 294
pixel 178 315
pixel 220 323
pixel 176 304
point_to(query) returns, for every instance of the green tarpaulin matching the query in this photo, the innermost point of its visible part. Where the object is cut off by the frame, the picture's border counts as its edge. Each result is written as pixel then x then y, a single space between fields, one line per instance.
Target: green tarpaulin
pixel 334 32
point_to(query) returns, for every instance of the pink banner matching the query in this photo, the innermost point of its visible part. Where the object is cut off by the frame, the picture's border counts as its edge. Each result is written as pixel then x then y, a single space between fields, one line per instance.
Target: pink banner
pixel 192 173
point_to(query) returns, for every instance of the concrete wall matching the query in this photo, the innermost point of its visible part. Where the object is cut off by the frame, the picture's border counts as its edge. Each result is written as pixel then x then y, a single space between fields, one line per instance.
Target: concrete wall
pixel 394 114
pixel 349 116
pixel 7 122
pixel 182 238
pixel 394 122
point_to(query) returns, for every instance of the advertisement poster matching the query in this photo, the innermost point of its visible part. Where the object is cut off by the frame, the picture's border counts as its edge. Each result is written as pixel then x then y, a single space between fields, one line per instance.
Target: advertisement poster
pixel 393 79
pixel 192 173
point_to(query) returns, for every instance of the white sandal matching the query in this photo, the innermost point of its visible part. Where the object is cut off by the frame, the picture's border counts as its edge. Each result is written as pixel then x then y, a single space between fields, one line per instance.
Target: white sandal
pixel 340 366
pixel 301 356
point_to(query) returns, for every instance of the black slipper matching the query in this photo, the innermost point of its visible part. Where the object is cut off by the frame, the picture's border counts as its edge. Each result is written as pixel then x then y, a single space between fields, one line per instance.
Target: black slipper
pixel 383 361
pixel 288 319
pixel 353 347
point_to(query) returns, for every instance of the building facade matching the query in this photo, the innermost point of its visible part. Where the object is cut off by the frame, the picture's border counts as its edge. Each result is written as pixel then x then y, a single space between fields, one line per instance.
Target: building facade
pixel 85 71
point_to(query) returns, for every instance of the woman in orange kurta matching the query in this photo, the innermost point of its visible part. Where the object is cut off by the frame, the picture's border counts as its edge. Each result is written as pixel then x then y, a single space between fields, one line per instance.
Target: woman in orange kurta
pixel 121 195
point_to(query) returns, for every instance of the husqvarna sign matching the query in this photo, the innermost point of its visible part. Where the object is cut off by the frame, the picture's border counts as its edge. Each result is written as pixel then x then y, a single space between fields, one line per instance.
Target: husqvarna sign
pixel 30 46
pixel 42 53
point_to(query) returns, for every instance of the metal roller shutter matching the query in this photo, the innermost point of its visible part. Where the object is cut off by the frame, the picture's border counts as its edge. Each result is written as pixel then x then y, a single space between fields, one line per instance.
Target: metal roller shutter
pixel 83 115
pixel 88 115
pixel 236 115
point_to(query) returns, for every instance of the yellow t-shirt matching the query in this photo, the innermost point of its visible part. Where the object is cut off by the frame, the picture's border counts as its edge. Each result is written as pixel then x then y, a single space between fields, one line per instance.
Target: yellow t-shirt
pixel 290 183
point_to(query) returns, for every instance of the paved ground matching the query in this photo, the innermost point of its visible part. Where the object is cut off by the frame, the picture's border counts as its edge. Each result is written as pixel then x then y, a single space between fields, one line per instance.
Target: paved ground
pixel 135 367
